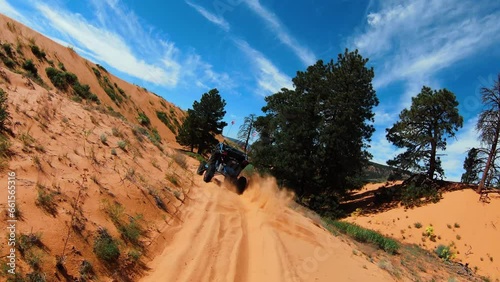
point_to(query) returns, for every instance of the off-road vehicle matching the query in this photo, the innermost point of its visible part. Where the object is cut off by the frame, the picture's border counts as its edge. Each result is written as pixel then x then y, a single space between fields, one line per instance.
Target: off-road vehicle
pixel 228 161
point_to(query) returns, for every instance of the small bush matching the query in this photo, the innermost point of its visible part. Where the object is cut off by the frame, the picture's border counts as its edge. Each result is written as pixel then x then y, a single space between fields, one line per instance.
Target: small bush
pixel 104 138
pixel 444 252
pixel 9 63
pixel 122 145
pixel 456 225
pixel 40 54
pixel 7 47
pixel 113 152
pixel 86 270
pixel 417 225
pixel 131 231
pixel 30 68
pixel 106 247
pixel 134 255
pixel 172 178
pixel 143 119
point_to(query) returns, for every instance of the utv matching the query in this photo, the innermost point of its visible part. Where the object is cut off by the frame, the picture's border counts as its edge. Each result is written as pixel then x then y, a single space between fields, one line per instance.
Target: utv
pixel 228 161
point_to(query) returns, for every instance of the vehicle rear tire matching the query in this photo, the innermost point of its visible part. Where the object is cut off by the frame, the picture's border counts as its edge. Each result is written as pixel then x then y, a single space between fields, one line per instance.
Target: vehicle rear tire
pixel 201 168
pixel 241 185
pixel 210 172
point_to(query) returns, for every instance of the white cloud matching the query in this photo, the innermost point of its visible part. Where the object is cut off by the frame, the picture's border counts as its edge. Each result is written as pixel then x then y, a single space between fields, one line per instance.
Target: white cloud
pixel 204 75
pixel 269 78
pixel 420 38
pixel 218 20
pixel 107 46
pixel 305 55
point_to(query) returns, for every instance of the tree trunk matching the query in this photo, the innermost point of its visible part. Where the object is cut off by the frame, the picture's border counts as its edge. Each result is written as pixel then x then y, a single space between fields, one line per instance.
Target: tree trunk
pixel 432 161
pixel 491 155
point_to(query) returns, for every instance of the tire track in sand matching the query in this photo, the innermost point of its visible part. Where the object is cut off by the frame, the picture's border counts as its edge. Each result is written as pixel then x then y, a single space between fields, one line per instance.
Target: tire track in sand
pixel 254 237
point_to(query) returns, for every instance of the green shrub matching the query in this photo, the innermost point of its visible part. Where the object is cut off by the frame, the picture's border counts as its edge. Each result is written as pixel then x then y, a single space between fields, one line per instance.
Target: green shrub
pixel 40 54
pixel 143 119
pixel 132 231
pixel 86 270
pixel 106 247
pixel 9 63
pixel 104 138
pixel 417 225
pixel 444 252
pixel 122 144
pixel 7 47
pixel 96 72
pixel 30 67
pixel 361 234
pixel 61 66
pixel 57 78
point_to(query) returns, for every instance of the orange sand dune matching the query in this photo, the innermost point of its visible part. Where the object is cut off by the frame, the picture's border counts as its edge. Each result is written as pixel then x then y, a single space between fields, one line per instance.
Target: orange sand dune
pixel 471 227
pixel 255 237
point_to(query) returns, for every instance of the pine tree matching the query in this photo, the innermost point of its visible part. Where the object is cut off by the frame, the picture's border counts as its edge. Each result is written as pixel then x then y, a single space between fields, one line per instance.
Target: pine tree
pixel 423 129
pixel 472 166
pixel 313 139
pixel 203 122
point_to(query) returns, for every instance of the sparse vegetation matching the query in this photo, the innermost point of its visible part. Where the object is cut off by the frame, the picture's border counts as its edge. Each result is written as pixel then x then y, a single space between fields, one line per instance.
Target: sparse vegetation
pixel 4 111
pixel 417 225
pixel 361 234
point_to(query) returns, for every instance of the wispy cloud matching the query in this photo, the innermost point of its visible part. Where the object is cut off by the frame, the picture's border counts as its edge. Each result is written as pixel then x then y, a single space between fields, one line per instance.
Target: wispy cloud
pixel 414 40
pixel 269 78
pixel 107 46
pixel 218 20
pixel 305 55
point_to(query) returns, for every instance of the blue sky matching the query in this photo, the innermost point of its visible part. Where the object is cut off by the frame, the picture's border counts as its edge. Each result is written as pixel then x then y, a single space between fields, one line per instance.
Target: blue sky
pixel 249 49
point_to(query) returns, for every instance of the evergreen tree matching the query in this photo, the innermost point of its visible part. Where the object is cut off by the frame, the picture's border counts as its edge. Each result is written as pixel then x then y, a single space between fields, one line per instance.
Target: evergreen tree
pixel 313 138
pixel 203 122
pixel 472 166
pixel 423 129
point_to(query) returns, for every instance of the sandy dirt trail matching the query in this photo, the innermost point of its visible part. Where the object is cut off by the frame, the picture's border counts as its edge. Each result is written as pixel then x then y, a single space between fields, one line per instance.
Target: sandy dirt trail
pixel 254 237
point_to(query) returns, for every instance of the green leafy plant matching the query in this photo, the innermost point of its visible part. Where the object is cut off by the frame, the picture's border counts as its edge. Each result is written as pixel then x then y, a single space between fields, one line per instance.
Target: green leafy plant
pixel 106 247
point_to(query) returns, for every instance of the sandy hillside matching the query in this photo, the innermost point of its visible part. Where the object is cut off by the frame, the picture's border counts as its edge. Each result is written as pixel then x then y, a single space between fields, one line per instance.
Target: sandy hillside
pixel 255 237
pixel 459 220
pixel 115 94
